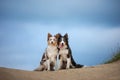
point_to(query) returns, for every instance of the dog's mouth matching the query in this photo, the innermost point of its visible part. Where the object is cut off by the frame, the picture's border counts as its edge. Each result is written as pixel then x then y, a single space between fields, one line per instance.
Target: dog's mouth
pixel 61 45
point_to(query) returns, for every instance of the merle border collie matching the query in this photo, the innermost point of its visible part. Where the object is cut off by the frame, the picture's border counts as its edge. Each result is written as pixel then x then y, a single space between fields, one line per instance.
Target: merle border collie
pixel 49 57
pixel 66 60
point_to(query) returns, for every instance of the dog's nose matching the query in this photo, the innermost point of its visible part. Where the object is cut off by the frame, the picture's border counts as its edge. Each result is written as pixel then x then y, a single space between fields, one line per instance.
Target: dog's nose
pixel 62 44
pixel 52 42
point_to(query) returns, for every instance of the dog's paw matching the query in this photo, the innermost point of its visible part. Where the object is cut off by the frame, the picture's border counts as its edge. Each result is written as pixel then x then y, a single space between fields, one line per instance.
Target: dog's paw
pixel 67 68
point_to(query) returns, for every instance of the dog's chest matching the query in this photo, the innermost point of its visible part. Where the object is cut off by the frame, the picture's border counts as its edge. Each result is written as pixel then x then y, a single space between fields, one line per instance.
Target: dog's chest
pixel 63 53
pixel 52 51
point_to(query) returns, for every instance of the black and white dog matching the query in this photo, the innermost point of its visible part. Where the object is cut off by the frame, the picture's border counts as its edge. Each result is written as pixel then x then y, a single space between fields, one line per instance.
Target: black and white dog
pixel 66 60
pixel 49 57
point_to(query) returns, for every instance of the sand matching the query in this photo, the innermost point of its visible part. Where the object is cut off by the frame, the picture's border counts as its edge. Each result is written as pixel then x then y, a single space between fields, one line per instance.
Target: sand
pixel 99 72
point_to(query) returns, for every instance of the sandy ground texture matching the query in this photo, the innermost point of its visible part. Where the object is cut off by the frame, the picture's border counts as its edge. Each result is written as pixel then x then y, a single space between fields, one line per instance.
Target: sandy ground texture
pixel 100 72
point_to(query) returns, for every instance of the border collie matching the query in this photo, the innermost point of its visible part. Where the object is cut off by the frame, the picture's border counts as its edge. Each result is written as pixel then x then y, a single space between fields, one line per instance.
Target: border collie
pixel 49 57
pixel 66 60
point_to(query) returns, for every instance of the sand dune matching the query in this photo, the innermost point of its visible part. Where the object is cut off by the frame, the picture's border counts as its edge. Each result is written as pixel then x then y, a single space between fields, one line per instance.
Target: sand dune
pixel 100 72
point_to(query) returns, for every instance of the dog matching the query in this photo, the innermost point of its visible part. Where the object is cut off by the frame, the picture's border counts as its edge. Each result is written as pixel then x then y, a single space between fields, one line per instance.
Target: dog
pixel 66 60
pixel 49 57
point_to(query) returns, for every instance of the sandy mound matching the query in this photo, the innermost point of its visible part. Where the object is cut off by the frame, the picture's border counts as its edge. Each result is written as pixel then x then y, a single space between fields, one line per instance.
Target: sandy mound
pixel 100 72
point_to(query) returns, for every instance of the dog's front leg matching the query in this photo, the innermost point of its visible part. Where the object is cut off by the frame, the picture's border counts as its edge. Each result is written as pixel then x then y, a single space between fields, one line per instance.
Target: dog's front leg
pixel 55 64
pixel 68 63
pixel 48 65
pixel 60 64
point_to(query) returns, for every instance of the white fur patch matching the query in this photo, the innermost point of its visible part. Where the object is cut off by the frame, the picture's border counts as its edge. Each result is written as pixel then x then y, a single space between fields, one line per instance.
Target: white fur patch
pixel 64 53
pixel 68 63
pixel 52 52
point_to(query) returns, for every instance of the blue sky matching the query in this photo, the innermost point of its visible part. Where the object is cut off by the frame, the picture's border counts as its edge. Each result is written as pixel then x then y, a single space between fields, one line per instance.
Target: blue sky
pixel 93 27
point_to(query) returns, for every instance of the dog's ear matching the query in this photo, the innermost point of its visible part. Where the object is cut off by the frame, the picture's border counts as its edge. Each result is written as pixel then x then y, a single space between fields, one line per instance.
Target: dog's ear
pixel 58 35
pixel 66 36
pixel 49 35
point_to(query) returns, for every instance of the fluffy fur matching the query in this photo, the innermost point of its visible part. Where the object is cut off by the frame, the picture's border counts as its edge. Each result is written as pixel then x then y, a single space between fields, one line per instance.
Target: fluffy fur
pixel 65 54
pixel 49 58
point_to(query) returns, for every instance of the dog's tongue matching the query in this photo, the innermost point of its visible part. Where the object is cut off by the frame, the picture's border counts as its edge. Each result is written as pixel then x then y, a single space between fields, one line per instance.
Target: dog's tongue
pixel 60 46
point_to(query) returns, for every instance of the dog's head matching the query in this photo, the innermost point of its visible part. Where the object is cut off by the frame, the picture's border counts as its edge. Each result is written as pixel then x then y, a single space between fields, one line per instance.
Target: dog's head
pixel 63 41
pixel 52 40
